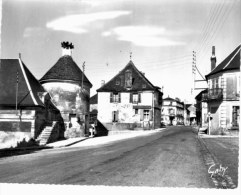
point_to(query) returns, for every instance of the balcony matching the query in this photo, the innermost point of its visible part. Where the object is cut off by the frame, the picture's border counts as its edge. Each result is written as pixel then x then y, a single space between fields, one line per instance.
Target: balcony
pixel 213 94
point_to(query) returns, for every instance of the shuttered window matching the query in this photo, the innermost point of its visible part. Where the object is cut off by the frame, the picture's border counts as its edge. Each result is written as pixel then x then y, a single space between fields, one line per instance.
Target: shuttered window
pixel 115 97
pixel 135 98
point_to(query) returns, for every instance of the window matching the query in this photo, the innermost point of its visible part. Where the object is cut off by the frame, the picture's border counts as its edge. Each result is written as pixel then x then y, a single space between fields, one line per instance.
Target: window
pixel 146 114
pixel 115 116
pixel 136 111
pixel 115 97
pixel 215 83
pixel 117 82
pixel 128 79
pixel 135 98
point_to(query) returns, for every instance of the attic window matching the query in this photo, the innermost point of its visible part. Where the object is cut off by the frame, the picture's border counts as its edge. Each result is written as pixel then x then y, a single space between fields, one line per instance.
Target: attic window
pixel 117 82
pixel 143 86
pixel 128 79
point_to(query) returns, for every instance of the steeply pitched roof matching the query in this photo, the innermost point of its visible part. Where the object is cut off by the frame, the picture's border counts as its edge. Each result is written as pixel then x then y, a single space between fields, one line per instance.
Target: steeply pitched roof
pixel 65 69
pixel 139 81
pixel 231 62
pixel 94 99
pixel 28 85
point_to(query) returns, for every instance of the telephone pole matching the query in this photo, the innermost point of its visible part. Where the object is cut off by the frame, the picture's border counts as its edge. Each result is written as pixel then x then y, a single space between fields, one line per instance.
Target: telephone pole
pixel 82 84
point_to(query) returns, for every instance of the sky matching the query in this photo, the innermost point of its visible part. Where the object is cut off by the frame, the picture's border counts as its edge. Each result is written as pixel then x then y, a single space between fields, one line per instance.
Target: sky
pixel 161 34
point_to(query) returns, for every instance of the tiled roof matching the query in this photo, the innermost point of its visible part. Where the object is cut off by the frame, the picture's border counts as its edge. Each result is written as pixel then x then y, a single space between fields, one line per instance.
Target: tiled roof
pixel 139 81
pixel 65 69
pixel 231 62
pixel 28 85
pixel 94 99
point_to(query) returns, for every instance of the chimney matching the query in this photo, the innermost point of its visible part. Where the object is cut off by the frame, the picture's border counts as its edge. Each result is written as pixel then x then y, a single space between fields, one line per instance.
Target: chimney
pixel 213 59
pixel 102 83
pixel 67 48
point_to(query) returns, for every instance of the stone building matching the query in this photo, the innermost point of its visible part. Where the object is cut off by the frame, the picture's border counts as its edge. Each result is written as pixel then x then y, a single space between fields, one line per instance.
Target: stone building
pixel 26 109
pixel 70 89
pixel 129 101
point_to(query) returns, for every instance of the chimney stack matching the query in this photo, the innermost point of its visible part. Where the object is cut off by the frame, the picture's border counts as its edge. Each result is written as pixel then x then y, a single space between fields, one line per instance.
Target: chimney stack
pixel 213 59
pixel 102 83
pixel 67 48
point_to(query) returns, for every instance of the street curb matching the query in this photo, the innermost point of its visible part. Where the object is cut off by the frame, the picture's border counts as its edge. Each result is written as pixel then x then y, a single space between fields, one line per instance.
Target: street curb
pixel 66 145
pixel 220 182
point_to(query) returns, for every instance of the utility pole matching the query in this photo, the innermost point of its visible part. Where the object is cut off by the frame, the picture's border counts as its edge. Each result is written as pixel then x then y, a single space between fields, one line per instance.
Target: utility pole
pixel 193 68
pixel 17 93
pixel 83 75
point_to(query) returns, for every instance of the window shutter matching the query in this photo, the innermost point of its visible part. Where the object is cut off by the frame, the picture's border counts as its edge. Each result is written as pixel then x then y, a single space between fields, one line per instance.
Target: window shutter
pixel 117 116
pixel 150 115
pixel 142 114
pixel 113 114
pixel 119 97
pixel 111 97
pixel 131 97
pixel 139 97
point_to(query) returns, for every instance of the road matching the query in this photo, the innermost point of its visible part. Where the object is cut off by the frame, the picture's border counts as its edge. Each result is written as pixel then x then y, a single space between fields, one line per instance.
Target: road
pixel 225 152
pixel 163 159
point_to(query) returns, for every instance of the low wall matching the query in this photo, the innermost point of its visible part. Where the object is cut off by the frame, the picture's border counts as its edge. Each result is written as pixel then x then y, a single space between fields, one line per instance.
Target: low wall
pixel 10 139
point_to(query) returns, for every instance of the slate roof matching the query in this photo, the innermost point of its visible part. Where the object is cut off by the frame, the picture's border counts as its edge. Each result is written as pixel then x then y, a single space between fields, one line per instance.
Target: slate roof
pixel 94 99
pixel 231 62
pixel 64 70
pixel 28 85
pixel 138 80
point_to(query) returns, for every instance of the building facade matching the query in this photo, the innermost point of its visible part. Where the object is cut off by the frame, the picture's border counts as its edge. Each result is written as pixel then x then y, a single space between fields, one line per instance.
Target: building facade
pixel 223 93
pixel 129 101
pixel 26 109
pixel 172 111
pixel 70 89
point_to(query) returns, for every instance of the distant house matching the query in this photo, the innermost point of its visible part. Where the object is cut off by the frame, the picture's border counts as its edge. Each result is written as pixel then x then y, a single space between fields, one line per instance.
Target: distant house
pixel 172 111
pixel 201 109
pixel 70 89
pixel 223 93
pixel 192 113
pixel 129 101
pixel 25 107
pixel 93 108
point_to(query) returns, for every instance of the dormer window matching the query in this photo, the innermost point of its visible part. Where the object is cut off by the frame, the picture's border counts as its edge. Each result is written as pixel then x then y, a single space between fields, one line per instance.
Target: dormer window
pixel 117 82
pixel 128 79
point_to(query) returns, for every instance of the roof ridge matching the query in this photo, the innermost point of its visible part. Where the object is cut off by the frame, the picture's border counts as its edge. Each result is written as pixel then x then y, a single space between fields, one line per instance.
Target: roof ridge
pixel 27 82
pixel 232 57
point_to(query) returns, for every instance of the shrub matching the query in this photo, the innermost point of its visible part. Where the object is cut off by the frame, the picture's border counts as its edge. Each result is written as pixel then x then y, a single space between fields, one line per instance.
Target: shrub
pixel 30 143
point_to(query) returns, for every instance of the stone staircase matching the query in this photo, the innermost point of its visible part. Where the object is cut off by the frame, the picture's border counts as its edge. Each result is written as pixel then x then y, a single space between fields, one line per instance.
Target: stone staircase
pixel 43 138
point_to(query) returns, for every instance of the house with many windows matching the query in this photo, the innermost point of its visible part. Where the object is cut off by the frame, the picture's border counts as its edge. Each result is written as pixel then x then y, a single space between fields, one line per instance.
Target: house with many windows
pixel 223 93
pixel 129 101
pixel 172 111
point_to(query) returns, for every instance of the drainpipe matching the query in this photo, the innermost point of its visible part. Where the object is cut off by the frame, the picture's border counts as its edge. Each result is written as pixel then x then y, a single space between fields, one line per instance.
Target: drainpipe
pixel 153 114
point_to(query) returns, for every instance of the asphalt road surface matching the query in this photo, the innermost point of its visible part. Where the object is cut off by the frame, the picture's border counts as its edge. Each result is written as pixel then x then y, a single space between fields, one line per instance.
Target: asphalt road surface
pixel 162 159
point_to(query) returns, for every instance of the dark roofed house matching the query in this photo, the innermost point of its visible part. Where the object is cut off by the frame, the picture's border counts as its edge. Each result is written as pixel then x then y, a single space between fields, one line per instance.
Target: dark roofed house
pixel 129 101
pixel 70 89
pixel 223 93
pixel 25 107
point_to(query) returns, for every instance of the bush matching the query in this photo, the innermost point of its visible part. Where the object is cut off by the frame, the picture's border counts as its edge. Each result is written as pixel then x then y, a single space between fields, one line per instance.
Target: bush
pixel 30 143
